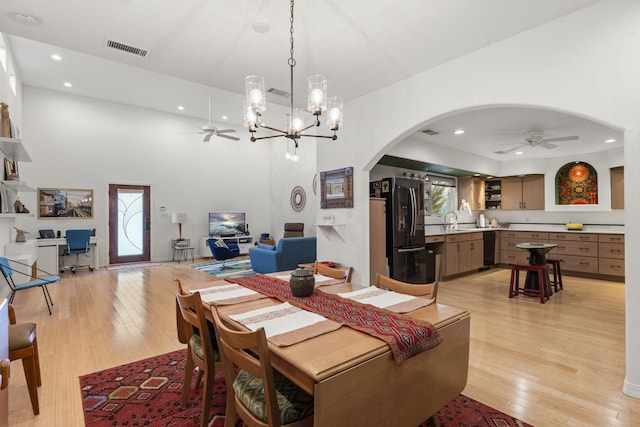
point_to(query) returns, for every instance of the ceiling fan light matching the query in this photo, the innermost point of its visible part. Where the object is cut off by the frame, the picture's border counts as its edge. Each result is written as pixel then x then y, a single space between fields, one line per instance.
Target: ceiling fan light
pixel 335 107
pixel 317 94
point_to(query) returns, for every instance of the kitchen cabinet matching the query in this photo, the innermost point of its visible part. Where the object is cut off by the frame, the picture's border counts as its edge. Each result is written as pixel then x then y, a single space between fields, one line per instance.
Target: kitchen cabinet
pixel 377 238
pixel 611 254
pixel 579 251
pixel 525 192
pixel 471 189
pixel 493 194
pixel 463 252
pixel 617 188
pixel 509 253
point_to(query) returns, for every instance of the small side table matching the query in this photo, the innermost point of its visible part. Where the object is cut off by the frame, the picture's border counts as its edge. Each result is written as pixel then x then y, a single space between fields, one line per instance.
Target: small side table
pixel 182 249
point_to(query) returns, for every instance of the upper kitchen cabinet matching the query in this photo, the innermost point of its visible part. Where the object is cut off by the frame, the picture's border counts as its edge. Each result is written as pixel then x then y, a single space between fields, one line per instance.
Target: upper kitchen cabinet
pixel 523 192
pixel 471 189
pixel 617 188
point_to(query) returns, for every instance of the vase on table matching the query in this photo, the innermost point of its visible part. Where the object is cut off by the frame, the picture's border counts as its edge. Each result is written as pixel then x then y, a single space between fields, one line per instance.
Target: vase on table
pixel 302 282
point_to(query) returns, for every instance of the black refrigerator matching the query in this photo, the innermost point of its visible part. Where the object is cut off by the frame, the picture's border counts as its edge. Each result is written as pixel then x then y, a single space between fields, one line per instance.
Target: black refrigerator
pixel 406 249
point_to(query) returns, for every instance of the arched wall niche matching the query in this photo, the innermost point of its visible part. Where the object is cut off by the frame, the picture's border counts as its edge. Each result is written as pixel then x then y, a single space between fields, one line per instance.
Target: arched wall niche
pixel 576 183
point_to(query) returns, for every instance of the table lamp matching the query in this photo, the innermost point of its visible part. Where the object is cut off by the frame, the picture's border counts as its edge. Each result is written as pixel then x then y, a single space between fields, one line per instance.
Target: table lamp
pixel 179 218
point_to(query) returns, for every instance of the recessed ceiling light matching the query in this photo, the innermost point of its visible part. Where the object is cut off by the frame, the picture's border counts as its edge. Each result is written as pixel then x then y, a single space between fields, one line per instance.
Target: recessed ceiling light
pixel 519 153
pixel 56 57
pixel 260 27
pixel 180 107
pixel 67 84
pixel 459 131
pixel 609 141
pixel 225 117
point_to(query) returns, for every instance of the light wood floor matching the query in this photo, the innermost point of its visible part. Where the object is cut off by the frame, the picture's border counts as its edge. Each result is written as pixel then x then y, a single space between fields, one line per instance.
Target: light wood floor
pixel 557 364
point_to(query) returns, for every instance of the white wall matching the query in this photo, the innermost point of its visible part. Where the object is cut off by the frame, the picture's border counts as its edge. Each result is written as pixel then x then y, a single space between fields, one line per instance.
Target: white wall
pixel 79 142
pixel 586 64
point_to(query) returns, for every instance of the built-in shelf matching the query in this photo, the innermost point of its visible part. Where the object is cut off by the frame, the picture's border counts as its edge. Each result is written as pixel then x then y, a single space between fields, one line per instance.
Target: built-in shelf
pixel 18 186
pixel 14 150
pixel 13 215
pixel 339 229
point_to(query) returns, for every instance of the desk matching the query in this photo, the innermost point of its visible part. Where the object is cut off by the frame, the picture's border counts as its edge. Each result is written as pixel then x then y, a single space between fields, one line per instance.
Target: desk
pixel 537 256
pixel 353 377
pixel 50 250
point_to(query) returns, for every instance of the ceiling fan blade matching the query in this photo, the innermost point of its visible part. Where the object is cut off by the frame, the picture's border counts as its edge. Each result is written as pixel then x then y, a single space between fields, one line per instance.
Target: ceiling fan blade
pixel 221 135
pixel 509 150
pixel 207 137
pixel 562 138
pixel 225 130
pixel 546 145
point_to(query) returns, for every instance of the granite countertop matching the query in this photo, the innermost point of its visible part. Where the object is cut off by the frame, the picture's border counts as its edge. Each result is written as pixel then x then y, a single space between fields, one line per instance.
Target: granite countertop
pixel 606 229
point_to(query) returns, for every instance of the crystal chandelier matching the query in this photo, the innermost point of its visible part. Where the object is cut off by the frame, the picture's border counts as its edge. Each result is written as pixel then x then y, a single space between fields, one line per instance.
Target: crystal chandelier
pixel 317 103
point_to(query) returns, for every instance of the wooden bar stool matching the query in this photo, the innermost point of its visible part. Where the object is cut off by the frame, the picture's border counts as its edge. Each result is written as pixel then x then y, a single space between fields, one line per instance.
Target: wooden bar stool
pixel 557 274
pixel 543 286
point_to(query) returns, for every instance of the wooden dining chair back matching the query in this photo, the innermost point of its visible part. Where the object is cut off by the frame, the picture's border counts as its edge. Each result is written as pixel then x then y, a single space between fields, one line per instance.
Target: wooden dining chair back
pixel 258 394
pixel 23 344
pixel 336 273
pixel 427 290
pixel 200 348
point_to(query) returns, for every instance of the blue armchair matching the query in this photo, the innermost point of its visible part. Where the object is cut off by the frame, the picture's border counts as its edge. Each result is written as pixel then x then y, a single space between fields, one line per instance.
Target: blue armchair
pixel 287 255
pixel 223 251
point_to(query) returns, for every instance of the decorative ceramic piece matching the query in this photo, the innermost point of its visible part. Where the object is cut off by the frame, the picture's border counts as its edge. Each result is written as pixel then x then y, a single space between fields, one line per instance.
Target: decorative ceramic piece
pixel 302 282
pixel 298 198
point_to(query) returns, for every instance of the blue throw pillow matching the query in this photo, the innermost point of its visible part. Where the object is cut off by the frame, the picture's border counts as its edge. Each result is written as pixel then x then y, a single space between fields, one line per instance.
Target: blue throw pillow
pixel 269 247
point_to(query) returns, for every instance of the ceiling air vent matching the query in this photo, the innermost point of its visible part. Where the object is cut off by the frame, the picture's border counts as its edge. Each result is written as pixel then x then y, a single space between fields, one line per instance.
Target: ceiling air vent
pixel 431 131
pixel 279 92
pixel 126 48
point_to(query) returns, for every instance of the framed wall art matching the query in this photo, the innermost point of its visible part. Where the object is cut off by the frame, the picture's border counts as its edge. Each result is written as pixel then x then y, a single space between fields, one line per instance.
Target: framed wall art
pixel 336 188
pixel 65 203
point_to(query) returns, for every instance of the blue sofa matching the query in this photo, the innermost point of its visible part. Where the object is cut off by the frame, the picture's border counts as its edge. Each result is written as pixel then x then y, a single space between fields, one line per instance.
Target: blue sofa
pixel 287 254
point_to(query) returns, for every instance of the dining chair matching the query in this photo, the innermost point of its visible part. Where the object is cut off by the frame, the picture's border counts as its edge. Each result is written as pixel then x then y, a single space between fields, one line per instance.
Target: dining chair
pixel 200 350
pixel 77 244
pixel 258 394
pixel 38 282
pixel 336 273
pixel 23 344
pixel 428 290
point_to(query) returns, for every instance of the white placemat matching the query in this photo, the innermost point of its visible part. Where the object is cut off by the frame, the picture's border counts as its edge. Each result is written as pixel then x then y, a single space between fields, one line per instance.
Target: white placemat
pixel 228 294
pixel 285 324
pixel 390 300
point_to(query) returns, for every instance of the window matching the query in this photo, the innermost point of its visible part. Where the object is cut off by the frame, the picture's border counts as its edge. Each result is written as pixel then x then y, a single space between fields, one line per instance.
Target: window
pixel 442 196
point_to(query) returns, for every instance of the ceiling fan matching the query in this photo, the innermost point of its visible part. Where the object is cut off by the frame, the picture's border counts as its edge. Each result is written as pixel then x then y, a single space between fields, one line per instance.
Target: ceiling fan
pixel 535 138
pixel 210 130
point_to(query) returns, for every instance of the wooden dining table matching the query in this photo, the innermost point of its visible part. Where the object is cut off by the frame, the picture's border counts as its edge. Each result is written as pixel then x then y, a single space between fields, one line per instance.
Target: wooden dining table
pixel 352 375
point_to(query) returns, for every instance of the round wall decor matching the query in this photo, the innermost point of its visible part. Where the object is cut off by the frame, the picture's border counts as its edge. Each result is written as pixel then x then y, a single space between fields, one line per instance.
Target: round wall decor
pixel 298 198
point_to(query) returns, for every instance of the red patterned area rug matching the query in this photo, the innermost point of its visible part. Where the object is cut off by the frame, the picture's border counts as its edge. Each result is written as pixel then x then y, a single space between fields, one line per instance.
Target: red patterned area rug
pixel 148 393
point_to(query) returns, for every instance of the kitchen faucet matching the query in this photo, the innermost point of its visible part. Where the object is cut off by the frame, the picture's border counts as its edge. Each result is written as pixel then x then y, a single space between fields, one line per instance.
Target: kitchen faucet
pixel 450 221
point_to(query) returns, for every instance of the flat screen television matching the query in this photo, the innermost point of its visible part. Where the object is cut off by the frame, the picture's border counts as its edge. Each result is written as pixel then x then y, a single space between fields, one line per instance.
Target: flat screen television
pixel 226 223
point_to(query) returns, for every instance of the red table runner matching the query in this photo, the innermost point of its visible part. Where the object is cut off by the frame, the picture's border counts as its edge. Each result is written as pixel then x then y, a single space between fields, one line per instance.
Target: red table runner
pixel 405 335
